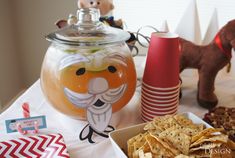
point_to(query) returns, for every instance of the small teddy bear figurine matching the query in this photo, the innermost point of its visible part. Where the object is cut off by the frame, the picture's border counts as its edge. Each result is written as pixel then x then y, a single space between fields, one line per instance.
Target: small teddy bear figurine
pixel 106 7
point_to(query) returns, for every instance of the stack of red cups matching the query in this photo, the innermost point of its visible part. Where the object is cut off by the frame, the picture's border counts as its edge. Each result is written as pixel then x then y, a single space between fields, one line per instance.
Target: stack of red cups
pixel 161 85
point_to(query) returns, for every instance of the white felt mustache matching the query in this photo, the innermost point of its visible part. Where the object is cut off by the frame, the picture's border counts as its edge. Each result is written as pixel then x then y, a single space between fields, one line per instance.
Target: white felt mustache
pixel 87 100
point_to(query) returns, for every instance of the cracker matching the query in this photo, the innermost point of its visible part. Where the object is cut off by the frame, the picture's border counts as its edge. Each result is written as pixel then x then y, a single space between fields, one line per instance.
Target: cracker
pixel 180 140
pixel 197 142
pixel 187 130
pixel 146 147
pixel 156 148
pixel 182 120
pixel 134 139
pixel 168 145
pixel 200 127
pixel 215 138
pixel 137 145
pixel 155 132
pixel 137 148
pixel 190 131
pixel 130 150
pixel 130 143
pixel 149 126
pixel 182 156
pixel 187 123
pixel 165 122
pixel 200 153
pixel 205 132
pixel 206 146
pixel 152 128
pixel 148 155
pixel 160 118
pixel 142 154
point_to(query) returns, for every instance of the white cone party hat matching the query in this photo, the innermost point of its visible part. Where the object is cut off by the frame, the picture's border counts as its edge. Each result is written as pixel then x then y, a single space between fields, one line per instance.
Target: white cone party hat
pixel 189 26
pixel 164 27
pixel 212 29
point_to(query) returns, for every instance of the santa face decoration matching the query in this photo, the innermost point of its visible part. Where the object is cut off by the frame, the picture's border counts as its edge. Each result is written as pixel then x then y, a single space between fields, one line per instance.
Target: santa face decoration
pixel 97 85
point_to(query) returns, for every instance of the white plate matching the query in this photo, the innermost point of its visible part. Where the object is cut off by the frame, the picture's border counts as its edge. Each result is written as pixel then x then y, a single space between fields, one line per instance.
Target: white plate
pixel 119 137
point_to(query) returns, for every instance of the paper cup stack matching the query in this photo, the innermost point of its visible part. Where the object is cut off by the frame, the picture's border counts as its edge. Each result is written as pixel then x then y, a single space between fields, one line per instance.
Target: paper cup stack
pixel 161 85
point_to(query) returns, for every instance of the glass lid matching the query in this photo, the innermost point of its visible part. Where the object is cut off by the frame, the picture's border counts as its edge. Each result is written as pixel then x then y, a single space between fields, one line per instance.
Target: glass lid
pixel 88 31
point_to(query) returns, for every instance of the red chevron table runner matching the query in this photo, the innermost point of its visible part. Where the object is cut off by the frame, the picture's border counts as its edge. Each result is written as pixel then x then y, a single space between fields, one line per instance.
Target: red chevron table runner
pixel 45 146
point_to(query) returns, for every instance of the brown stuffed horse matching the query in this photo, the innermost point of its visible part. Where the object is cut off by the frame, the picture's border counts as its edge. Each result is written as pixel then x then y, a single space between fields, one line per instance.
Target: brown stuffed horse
pixel 208 60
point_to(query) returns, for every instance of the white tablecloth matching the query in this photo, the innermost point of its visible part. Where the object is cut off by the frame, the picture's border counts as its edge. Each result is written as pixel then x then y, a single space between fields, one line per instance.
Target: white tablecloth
pixel 130 115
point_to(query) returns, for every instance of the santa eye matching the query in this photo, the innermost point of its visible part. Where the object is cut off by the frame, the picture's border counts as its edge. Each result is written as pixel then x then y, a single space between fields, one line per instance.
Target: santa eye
pixel 91 2
pixel 98 3
pixel 80 71
pixel 112 69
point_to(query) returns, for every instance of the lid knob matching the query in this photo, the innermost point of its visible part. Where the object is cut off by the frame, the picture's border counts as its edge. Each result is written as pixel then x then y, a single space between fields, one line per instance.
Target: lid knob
pixel 88 17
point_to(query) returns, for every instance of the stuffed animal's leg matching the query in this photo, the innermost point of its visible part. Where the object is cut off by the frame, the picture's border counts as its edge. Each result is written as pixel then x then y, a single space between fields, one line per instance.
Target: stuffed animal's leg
pixel 206 96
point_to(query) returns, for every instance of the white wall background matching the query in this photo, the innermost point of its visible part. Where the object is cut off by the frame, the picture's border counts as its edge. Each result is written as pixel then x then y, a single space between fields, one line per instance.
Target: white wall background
pixel 24 23
pixel 137 13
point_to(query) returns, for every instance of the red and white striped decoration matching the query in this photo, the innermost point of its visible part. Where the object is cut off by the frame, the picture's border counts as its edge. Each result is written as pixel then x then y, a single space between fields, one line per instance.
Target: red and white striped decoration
pixel 45 146
pixel 26 111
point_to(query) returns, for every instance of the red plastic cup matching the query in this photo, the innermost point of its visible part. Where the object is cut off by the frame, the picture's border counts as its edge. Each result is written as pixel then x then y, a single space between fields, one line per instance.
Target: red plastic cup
pixel 158 109
pixel 160 93
pixel 160 90
pixel 157 94
pixel 153 113
pixel 162 64
pixel 159 105
pixel 159 97
pixel 158 101
pixel 146 119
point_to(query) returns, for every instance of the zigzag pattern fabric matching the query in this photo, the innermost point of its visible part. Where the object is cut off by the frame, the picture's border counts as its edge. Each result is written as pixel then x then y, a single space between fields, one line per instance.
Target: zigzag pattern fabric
pixel 45 146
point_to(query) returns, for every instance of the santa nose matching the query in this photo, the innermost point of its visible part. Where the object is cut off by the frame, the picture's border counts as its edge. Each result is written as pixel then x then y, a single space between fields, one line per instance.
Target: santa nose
pixel 98 86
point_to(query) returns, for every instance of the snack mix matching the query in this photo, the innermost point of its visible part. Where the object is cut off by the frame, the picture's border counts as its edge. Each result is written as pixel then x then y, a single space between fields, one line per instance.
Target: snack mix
pixel 222 117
